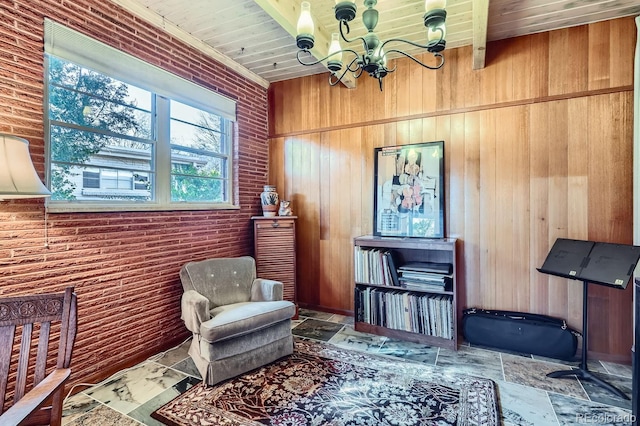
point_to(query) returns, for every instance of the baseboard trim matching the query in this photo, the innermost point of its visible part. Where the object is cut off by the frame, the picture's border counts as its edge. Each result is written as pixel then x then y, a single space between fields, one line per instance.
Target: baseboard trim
pixel 327 309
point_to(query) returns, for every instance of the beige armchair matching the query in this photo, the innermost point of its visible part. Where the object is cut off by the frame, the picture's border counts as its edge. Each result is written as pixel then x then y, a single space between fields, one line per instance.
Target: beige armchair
pixel 239 322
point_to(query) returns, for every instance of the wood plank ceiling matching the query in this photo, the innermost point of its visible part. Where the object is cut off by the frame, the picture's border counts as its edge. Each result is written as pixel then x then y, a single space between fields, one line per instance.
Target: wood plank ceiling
pixel 257 37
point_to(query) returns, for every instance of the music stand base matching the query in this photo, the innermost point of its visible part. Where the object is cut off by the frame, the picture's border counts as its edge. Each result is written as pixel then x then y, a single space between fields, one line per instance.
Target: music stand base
pixel 587 375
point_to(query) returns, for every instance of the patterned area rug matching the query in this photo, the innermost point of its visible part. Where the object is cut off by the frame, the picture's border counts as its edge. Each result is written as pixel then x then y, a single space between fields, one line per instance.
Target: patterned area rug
pixel 321 384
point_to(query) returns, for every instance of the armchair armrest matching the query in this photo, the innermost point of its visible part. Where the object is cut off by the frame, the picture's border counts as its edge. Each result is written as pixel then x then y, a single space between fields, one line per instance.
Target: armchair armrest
pixel 195 310
pixel 266 290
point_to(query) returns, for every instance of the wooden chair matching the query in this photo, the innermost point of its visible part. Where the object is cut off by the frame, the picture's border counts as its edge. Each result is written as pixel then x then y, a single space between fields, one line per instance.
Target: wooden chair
pixel 42 403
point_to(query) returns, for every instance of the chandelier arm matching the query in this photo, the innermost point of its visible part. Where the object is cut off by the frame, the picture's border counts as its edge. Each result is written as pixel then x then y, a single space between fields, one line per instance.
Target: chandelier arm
pixel 364 42
pixel 420 63
pixel 334 82
pixel 347 69
pixel 354 61
pixel 316 62
pixel 346 25
pixel 423 46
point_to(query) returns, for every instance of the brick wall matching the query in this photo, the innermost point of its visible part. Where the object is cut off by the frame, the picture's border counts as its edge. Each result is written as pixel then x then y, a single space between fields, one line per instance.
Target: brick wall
pixel 124 266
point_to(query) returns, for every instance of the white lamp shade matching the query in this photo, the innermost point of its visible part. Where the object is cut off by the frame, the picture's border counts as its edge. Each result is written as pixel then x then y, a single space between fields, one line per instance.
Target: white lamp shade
pixel 335 53
pixel 434 4
pixel 305 21
pixel 18 177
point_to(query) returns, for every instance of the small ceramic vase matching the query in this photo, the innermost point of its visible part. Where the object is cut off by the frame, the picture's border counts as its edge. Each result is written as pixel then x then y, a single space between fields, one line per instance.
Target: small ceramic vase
pixel 269 200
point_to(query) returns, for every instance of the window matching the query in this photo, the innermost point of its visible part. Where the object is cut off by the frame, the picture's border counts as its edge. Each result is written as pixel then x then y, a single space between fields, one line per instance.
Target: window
pixel 90 179
pixel 124 135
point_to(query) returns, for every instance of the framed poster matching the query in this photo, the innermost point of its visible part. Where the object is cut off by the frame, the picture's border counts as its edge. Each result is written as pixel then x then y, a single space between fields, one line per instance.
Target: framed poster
pixel 409 190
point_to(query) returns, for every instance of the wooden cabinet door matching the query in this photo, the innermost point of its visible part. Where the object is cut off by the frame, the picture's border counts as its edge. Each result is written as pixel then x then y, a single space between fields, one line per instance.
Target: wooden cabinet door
pixel 275 251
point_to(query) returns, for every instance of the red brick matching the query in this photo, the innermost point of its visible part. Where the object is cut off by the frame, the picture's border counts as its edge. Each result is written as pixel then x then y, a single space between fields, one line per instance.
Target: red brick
pixel 124 266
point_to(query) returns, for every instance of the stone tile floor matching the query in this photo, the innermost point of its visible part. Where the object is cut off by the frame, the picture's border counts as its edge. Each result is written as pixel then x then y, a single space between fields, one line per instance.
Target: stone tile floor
pixel 527 396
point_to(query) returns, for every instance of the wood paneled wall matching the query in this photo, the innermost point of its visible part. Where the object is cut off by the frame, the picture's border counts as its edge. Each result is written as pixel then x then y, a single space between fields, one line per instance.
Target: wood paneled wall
pixel 538 145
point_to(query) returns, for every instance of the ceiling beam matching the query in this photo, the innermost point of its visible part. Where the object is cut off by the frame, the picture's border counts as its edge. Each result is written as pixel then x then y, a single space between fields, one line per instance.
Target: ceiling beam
pixel 286 12
pixel 480 20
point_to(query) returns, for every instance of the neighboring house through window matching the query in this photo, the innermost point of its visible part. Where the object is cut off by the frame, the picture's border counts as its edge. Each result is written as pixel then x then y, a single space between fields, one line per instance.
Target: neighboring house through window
pixel 125 135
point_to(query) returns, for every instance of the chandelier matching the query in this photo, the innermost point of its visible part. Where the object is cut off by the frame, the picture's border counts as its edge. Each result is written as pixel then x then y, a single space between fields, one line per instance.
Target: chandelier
pixel 373 60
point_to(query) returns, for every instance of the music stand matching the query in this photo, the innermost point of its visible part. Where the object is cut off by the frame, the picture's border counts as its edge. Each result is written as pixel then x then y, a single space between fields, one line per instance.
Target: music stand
pixel 591 262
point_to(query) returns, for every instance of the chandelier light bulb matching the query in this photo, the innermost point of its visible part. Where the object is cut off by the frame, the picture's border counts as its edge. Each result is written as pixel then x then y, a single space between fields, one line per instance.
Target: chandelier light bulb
pixel 335 53
pixel 305 21
pixel 430 5
pixel 305 28
pixel 335 50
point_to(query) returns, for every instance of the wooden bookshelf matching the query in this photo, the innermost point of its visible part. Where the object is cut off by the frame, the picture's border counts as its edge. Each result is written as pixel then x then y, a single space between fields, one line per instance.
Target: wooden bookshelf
pixel 384 306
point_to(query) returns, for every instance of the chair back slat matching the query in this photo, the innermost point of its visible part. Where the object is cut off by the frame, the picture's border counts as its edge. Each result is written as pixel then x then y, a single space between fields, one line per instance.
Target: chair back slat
pixel 7 335
pixel 64 330
pixel 43 349
pixel 23 361
pixel 71 330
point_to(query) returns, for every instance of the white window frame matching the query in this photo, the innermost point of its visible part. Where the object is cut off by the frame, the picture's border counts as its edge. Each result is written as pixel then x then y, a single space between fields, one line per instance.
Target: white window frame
pixel 84 51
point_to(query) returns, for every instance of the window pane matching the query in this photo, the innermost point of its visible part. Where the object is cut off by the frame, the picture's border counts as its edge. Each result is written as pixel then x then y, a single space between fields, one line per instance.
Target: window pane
pixel 195 189
pixel 89 99
pixel 194 164
pixel 196 177
pixel 189 114
pixel 85 147
pixel 194 128
pixel 116 179
pixel 90 179
pixel 86 111
pixel 192 136
pixel 78 183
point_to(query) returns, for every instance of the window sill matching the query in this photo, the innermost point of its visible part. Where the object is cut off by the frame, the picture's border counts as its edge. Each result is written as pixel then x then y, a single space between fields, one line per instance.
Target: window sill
pixel 53 207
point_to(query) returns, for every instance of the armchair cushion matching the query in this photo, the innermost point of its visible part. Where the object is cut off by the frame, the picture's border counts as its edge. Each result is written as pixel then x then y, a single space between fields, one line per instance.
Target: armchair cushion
pixel 239 319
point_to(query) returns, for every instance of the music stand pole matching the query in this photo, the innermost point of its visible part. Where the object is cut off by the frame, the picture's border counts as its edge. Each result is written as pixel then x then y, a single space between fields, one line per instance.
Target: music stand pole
pixel 583 372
